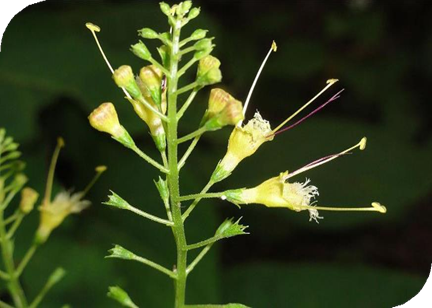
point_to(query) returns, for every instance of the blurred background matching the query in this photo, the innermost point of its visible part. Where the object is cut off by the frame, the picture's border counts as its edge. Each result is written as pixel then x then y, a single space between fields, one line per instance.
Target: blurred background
pixel 52 76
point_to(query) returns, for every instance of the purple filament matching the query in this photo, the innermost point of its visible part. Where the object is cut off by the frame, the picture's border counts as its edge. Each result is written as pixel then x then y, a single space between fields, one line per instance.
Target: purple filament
pixel 333 98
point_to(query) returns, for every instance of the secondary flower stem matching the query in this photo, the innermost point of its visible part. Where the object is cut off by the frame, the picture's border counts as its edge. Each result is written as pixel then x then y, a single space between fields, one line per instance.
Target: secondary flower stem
pixel 26 259
pixel 187 104
pixel 156 266
pixel 196 201
pixel 201 196
pixel 150 160
pixel 192 135
pixel 206 242
pixel 201 255
pixel 189 151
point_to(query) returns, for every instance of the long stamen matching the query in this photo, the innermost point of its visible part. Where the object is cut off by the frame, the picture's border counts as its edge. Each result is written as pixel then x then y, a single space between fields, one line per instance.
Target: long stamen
pixel 375 207
pixel 50 179
pixel 334 97
pixel 99 170
pixel 273 48
pixel 329 82
pixel 361 145
pixel 94 28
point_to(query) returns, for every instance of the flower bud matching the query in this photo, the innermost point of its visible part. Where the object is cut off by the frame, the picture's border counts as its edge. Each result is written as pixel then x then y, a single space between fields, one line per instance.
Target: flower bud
pixel 198 34
pixel 141 51
pixel 194 13
pixel 124 78
pixel 243 142
pixel 165 38
pixel 119 295
pixel 183 8
pixel 208 71
pixel 203 44
pixel 198 55
pixel 105 119
pixel 28 199
pixel 165 8
pixel 223 110
pixel 117 201
pixel 151 76
pixel 148 33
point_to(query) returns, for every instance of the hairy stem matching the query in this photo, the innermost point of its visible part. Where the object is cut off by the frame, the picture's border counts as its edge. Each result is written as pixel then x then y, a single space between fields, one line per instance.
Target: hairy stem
pixel 173 175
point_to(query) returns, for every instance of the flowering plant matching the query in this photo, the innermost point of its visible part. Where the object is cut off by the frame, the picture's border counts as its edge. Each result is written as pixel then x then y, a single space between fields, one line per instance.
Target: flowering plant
pixel 155 97
pixel 52 214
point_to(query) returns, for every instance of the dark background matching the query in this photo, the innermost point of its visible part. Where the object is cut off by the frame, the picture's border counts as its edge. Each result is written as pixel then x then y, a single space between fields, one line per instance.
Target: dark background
pixel 52 77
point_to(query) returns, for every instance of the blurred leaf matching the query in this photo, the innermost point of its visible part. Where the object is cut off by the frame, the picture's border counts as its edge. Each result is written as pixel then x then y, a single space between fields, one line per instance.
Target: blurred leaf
pixel 303 285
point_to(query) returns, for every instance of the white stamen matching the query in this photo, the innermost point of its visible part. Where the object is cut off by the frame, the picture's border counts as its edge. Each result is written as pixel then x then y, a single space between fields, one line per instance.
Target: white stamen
pixel 273 48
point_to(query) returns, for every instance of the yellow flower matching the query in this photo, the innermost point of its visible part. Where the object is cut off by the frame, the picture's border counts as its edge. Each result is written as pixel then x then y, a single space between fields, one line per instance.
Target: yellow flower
pixel 243 142
pixel 296 196
pixel 28 199
pixel 53 213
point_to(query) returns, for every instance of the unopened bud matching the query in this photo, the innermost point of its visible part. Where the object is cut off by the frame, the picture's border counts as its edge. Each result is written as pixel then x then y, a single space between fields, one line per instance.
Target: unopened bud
pixel 148 33
pixel 124 78
pixel 151 76
pixel 105 119
pixel 208 71
pixel 198 34
pixel 183 8
pixel 194 13
pixel 223 110
pixel 202 53
pixel 28 199
pixel 141 51
pixel 165 8
pixel 203 44
pixel 119 295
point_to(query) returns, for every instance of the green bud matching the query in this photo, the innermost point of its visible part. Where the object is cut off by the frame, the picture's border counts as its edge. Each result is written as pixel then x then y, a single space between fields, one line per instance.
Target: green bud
pixel 148 33
pixel 119 295
pixel 203 53
pixel 120 253
pixel 204 44
pixel 141 51
pixel 117 201
pixel 194 13
pixel 2 134
pixel 198 34
pixel 56 276
pixel 165 8
pixel 124 78
pixel 160 141
pixel 164 54
pixel 183 8
pixel 162 187
pixel 208 71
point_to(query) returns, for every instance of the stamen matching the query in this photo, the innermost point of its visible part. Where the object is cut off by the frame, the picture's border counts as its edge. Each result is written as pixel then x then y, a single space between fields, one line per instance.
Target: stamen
pixel 99 170
pixel 50 179
pixel 94 28
pixel 361 145
pixel 335 97
pixel 375 207
pixel 272 48
pixel 329 83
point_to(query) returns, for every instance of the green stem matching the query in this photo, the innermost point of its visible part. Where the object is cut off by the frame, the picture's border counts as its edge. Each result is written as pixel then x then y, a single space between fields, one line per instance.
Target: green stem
pixel 187 88
pixel 173 175
pixel 155 266
pixel 187 104
pixel 14 285
pixel 188 151
pixel 196 201
pixel 187 66
pixel 143 101
pixel 25 260
pixel 4 305
pixel 15 226
pixel 201 196
pixel 192 135
pixel 149 216
pixel 160 66
pixel 4 275
pixel 201 255
pixel 206 242
pixel 148 159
